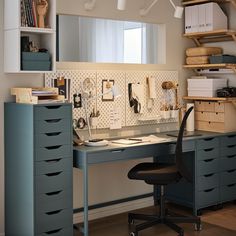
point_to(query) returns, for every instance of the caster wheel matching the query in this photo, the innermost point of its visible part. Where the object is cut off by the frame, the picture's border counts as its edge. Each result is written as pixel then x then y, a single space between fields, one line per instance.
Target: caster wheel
pixel 198 227
pixel 199 213
pixel 133 234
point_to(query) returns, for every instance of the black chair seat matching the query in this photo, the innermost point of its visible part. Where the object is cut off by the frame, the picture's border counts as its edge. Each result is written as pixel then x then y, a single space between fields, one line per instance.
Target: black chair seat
pixel 155 173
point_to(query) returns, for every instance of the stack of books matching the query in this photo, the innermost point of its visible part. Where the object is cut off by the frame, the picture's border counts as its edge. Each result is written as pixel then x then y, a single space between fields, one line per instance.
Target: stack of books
pixel 29 13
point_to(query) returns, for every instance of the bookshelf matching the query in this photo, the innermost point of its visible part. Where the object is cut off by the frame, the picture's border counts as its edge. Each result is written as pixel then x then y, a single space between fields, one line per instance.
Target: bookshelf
pixel 15 27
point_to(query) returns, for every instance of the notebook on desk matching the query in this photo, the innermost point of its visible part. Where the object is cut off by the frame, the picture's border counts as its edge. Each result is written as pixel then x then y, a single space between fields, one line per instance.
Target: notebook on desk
pixel 127 141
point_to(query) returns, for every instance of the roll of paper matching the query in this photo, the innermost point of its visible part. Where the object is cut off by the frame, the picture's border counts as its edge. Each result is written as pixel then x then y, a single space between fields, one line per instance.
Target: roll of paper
pixel 190 120
pixel 152 87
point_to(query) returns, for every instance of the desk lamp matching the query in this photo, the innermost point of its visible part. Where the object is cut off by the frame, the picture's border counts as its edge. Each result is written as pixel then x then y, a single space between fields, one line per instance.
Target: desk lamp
pixel 87 87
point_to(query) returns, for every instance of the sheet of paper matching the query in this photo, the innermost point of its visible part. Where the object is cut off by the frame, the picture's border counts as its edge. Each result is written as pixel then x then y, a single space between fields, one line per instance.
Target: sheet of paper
pixel 126 141
pixel 115 118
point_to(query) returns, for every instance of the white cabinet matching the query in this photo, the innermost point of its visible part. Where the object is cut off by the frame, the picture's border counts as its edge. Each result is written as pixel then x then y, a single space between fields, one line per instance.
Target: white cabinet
pixel 44 38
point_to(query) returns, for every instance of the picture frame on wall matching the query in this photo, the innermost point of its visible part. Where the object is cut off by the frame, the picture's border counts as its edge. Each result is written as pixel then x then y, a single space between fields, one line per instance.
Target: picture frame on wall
pixel 106 85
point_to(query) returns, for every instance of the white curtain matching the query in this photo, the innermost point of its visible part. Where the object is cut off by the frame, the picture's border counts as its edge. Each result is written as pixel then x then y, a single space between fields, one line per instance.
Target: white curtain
pixel 101 40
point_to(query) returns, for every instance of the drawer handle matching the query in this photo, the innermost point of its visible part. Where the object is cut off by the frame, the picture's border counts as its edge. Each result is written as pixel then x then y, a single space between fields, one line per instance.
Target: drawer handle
pixel 231 156
pixel 53 174
pixel 53 134
pixel 231 185
pixel 53 121
pixel 53 147
pixel 53 231
pixel 209 190
pixel 53 107
pixel 208 139
pixel 208 160
pixel 53 212
pixel 231 171
pixel 209 175
pixel 53 161
pixel 208 149
pixel 117 151
pixel 231 146
pixel 53 193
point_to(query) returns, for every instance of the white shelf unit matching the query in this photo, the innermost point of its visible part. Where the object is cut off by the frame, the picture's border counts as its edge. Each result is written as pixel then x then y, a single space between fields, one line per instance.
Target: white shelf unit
pixel 42 37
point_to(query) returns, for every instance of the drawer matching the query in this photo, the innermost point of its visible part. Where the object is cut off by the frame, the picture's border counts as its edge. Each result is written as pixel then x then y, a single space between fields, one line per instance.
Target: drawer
pixel 52 112
pixel 53 139
pixel 53 182
pixel 208 181
pixel 228 163
pixel 208 197
pixel 228 140
pixel 59 232
pixel 53 152
pixel 204 106
pixel 207 166
pixel 210 126
pixel 228 193
pixel 219 107
pixel 210 116
pixel 52 220
pixel 52 125
pixel 54 200
pixel 207 143
pixel 207 153
pixel 229 150
pixel 54 165
pixel 228 177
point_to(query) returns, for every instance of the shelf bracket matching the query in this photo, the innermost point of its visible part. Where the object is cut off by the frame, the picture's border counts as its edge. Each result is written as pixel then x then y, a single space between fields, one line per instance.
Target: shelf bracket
pixel 196 41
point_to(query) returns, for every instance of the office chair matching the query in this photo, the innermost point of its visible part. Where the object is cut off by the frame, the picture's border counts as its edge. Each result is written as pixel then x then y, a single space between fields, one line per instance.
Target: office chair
pixel 162 174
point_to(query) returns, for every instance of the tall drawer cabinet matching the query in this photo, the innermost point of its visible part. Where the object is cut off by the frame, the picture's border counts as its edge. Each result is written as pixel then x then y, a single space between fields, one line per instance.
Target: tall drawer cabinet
pixel 38 169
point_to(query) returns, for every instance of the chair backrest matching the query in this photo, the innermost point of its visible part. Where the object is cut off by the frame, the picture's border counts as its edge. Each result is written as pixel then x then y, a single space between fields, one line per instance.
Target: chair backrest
pixel 184 172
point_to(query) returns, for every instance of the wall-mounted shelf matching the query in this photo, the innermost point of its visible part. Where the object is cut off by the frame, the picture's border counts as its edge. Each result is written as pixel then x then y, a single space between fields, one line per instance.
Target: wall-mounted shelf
pixel 212 66
pixel 212 36
pixel 209 98
pixel 193 2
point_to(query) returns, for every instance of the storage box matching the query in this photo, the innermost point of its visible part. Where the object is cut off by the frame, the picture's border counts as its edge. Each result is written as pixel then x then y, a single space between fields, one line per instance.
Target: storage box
pixel 35 56
pixel 36 65
pixel 217 59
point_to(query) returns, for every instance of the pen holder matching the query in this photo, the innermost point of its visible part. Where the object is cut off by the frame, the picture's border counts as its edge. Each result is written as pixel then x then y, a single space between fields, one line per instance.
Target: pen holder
pixel 165 114
pixel 93 121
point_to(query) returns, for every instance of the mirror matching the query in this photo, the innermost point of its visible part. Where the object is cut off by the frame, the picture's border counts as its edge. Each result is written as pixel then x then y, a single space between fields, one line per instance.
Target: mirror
pixel 86 39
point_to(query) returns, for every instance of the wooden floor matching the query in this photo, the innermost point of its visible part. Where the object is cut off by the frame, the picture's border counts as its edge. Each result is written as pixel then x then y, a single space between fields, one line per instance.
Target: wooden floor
pixel 215 223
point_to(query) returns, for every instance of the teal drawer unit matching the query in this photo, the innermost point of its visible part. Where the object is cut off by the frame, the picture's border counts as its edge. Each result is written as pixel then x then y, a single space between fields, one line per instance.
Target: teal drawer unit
pixel 227 168
pixel 38 176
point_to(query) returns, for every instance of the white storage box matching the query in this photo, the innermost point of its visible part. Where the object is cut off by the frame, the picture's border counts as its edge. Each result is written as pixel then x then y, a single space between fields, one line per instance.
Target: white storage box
pixel 205 87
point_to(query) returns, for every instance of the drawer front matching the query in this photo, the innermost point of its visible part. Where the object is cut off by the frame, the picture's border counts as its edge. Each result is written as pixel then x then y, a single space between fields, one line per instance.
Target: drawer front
pixel 53 152
pixel 210 116
pixel 229 150
pixel 49 221
pixel 207 143
pixel 228 193
pixel 228 177
pixel 219 107
pixel 53 201
pixel 204 106
pixel 59 232
pixel 53 182
pixel 210 126
pixel 208 166
pixel 52 125
pixel 228 140
pixel 52 166
pixel 208 197
pixel 207 153
pixel 228 163
pixel 53 139
pixel 208 181
pixel 52 112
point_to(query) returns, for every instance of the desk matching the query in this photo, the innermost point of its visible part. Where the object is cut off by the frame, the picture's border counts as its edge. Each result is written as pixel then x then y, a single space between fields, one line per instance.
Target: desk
pixel 199 146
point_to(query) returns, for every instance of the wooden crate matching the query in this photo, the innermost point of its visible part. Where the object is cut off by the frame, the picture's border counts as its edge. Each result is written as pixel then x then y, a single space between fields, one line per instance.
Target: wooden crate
pixel 215 116
pixel 37 95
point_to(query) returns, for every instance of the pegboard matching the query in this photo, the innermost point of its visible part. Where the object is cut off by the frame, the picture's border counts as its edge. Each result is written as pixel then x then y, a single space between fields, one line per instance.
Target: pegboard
pixel 122 79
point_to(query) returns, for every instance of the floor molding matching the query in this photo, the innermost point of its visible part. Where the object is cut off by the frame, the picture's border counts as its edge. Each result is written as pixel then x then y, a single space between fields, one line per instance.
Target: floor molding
pixel 114 209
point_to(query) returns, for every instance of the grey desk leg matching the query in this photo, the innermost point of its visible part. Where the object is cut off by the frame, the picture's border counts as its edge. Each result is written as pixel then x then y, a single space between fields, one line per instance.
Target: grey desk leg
pixel 85 188
pixel 155 189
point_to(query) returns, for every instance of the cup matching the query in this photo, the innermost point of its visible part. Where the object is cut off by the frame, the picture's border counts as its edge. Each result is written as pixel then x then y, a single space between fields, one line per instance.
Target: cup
pixel 93 121
pixel 165 114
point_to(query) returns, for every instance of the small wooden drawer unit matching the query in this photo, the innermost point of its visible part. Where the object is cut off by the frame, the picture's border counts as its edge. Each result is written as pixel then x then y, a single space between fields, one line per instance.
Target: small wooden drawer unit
pixel 39 181
pixel 215 116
